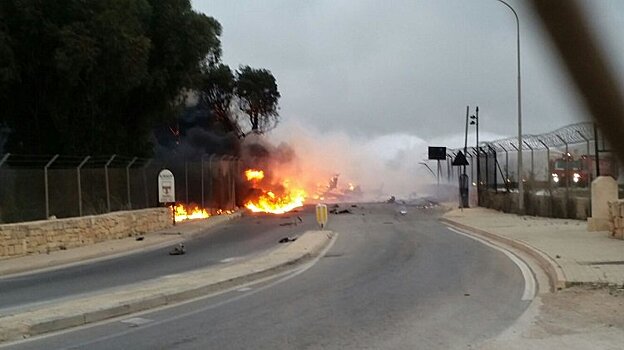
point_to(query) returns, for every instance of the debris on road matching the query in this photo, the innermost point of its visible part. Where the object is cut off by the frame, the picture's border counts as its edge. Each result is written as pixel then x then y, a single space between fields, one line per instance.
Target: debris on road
pixel 344 211
pixel 288 239
pixel 140 238
pixel 179 250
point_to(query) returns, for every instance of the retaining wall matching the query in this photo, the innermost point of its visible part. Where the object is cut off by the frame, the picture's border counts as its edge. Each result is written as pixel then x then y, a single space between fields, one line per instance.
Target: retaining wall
pixel 56 234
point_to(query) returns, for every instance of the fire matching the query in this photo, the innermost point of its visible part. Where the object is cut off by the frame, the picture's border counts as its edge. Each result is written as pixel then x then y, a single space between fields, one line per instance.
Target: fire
pixel 253 174
pixel 275 201
pixel 182 213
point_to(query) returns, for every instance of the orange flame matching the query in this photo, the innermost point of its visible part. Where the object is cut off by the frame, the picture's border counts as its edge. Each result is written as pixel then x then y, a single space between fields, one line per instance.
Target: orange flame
pixel 253 174
pixel 270 202
pixel 182 213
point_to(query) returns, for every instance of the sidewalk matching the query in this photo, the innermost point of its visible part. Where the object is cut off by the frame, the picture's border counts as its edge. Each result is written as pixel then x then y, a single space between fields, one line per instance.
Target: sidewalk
pixel 583 257
pixel 108 249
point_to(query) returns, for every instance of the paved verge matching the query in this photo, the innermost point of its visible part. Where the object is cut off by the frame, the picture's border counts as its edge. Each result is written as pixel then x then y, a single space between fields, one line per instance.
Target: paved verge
pixel 563 248
pixel 162 291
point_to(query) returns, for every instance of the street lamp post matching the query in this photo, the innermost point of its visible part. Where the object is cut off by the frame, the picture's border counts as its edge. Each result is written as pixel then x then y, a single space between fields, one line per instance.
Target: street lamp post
pixel 475 122
pixel 520 183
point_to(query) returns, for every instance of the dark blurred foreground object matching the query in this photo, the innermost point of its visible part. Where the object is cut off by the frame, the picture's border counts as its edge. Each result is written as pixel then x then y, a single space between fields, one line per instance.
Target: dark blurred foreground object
pixel 587 66
pixel 179 250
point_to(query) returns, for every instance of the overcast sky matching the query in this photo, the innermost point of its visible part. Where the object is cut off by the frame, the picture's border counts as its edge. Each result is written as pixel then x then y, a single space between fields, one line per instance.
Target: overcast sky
pixel 370 68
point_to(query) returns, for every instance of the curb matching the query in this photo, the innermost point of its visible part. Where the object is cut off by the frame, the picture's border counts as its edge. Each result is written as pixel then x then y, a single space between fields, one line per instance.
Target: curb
pixel 160 293
pixel 556 277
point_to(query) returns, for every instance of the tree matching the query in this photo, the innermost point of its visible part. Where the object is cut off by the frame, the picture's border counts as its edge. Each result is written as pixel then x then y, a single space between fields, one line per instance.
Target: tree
pixel 258 97
pixel 94 77
pixel 216 92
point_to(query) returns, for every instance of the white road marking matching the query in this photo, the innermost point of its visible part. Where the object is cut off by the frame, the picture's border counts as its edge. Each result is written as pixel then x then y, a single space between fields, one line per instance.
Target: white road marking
pixel 136 321
pixel 227 260
pixel 244 289
pixel 530 286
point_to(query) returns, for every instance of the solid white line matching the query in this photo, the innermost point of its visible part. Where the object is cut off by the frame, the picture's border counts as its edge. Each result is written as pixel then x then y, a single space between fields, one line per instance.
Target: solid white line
pixel 530 285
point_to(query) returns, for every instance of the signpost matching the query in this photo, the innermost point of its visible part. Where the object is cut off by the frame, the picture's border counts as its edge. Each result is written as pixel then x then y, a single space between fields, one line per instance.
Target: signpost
pixel 460 160
pixel 166 189
pixel 438 154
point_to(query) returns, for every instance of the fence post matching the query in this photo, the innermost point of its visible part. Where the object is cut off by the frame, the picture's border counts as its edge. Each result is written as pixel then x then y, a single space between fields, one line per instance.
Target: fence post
pixel 84 161
pixel 532 163
pixel 45 183
pixel 108 205
pixel 186 181
pixel 567 174
pixel 210 178
pixel 149 161
pixel 590 173
pixel 128 180
pixel 201 163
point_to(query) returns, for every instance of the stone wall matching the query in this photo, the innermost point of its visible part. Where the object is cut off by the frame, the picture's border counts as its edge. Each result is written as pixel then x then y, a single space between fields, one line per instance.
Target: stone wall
pixel 57 234
pixel 538 205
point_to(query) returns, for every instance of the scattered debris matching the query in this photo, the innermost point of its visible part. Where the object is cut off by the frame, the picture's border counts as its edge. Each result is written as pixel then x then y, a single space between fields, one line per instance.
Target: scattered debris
pixel 62 247
pixel 353 205
pixel 343 211
pixel 140 238
pixel 391 200
pixel 334 206
pixel 179 250
pixel 296 221
pixel 287 239
pixel 403 211
pixel 466 294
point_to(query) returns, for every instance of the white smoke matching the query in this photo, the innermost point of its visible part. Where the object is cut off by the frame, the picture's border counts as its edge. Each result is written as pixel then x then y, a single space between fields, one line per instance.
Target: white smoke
pixel 381 166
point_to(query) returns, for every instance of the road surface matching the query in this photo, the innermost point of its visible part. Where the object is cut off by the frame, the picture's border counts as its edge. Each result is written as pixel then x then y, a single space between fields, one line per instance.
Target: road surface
pixel 251 234
pixel 390 281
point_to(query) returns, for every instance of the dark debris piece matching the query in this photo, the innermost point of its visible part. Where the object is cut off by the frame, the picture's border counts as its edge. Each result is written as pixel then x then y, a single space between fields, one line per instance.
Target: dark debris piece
pixel 288 239
pixel 179 250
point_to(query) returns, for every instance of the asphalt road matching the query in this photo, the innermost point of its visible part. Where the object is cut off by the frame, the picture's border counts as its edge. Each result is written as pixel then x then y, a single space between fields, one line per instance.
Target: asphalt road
pixel 251 234
pixel 390 281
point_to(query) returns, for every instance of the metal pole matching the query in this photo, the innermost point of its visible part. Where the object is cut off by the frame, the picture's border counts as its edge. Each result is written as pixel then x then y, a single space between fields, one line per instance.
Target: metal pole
pixel 45 182
pixel 210 178
pixel 567 173
pixel 201 162
pixel 128 180
pixel 506 180
pixel 590 173
pixel 478 158
pixel 520 184
pixel 186 181
pixel 549 173
pixel 108 204
pixel 84 161
pixel 466 135
pixel 596 150
pixel 149 161
pixel 532 163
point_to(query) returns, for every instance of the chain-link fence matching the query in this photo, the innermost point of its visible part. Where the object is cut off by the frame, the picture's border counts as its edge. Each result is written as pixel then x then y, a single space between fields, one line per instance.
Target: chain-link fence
pixel 558 164
pixel 37 187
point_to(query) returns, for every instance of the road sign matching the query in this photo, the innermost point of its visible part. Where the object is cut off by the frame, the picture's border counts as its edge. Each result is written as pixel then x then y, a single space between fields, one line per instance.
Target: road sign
pixel 166 187
pixel 460 159
pixel 437 153
pixel 321 214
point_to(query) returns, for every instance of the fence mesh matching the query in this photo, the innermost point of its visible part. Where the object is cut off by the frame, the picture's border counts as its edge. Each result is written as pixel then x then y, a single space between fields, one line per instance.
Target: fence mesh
pixel 566 159
pixel 37 187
